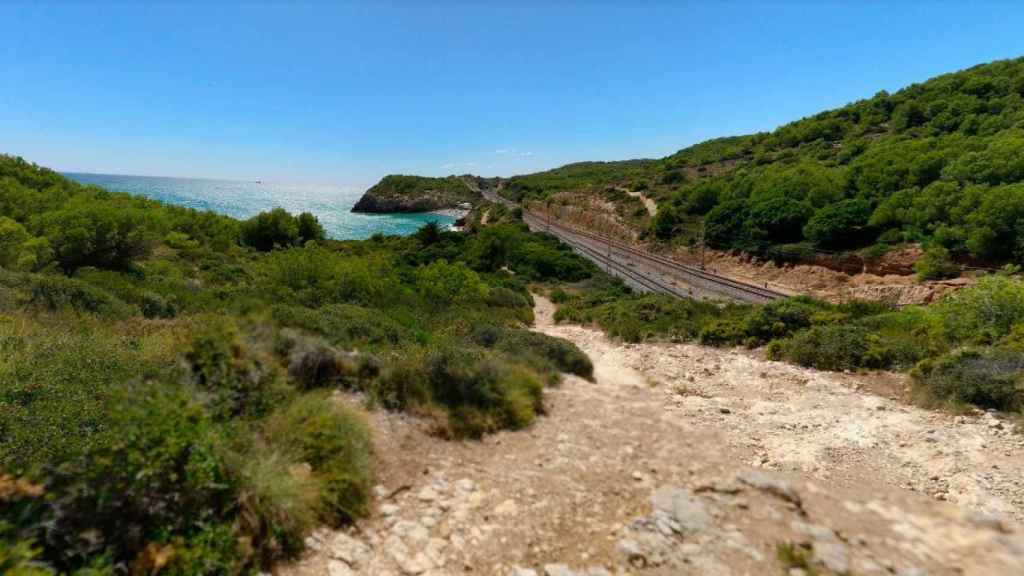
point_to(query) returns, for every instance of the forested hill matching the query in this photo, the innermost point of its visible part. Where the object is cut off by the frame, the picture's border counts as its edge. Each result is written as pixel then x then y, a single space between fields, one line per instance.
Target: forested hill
pixel 940 162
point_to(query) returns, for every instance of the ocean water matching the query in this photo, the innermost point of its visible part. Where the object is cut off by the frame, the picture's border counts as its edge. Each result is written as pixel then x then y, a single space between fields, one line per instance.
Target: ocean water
pixel 330 204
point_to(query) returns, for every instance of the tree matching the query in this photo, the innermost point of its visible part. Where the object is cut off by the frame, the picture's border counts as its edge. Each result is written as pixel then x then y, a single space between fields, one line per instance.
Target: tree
pixel 997 226
pixel 806 181
pixel 444 283
pixel 726 225
pixel 267 230
pixel 100 235
pixel 778 220
pixel 840 225
pixel 310 228
pixel 936 264
pixel 429 233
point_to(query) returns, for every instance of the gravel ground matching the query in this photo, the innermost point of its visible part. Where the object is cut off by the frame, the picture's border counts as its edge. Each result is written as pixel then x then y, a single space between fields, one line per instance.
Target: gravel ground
pixel 682 459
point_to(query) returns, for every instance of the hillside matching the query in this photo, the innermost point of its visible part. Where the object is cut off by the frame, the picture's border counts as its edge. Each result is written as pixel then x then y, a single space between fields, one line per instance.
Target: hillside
pixel 186 393
pixel 398 193
pixel 169 378
pixel 940 162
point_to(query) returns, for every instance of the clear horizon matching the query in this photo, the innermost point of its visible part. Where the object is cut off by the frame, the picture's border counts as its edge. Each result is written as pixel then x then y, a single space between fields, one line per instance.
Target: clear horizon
pixel 344 94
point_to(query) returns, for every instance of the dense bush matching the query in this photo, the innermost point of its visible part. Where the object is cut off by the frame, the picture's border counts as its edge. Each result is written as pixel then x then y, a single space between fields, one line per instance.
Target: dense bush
pixel 542 352
pixel 834 347
pixel 279 229
pixel 986 378
pixel 479 391
pixel 983 313
pixel 239 379
pixel 336 443
pixel 936 264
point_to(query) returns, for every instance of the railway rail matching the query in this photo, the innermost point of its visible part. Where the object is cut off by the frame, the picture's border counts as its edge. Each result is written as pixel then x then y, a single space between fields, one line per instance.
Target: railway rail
pixel 620 259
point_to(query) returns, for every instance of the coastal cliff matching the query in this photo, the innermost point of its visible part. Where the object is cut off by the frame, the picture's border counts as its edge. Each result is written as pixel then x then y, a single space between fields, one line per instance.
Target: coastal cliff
pixel 399 193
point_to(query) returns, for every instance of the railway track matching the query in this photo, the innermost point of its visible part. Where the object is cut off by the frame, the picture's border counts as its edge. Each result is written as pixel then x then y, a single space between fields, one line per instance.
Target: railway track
pixel 691 275
pixel 619 259
pixel 638 281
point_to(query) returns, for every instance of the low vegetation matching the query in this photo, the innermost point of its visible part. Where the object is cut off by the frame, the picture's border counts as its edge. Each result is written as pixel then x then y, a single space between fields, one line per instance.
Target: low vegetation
pixel 966 349
pixel 168 377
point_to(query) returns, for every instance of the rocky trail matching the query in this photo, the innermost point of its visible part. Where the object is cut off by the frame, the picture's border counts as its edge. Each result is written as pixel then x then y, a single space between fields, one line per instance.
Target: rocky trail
pixel 681 459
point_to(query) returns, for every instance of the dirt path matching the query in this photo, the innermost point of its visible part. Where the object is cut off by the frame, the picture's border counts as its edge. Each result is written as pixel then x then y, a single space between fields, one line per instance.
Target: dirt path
pixel 682 459
pixel 649 203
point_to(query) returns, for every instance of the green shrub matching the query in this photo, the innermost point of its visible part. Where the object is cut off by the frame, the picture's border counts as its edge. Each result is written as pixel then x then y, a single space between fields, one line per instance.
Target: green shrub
pixel 313 363
pixel 936 264
pixel 315 276
pixel 989 379
pixel 559 296
pixel 57 293
pixel 544 353
pixel 835 347
pixel 782 318
pixel 309 228
pixel 723 332
pixel 501 297
pixel 982 313
pixel 478 391
pixel 54 391
pixel 268 230
pixel 180 241
pixel 278 499
pixel 95 234
pixel 19 250
pixel 344 324
pixel 442 283
pixel 840 225
pixel 240 379
pixel 155 476
pixel 335 441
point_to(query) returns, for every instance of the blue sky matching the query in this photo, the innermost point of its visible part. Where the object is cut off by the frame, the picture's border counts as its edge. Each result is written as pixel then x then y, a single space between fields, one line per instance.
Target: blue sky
pixel 345 93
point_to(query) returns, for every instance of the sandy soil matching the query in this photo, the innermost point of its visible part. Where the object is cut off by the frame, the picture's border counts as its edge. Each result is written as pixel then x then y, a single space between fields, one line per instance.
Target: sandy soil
pixel 681 459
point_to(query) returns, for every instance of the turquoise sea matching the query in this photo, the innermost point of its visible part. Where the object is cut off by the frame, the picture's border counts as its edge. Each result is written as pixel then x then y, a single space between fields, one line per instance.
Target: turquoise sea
pixel 330 204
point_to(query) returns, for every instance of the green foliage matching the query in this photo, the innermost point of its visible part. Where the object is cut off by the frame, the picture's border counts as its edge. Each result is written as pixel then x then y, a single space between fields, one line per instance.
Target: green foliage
pixel 54 390
pixel 268 230
pixel 57 293
pixel 310 229
pixel 241 380
pixel 19 250
pixel 840 225
pixel 171 390
pixel 105 236
pixel 336 443
pixel 313 363
pixel 156 475
pixel 544 353
pixel 443 283
pixel 983 313
pixel 835 347
pixel 782 318
pixel 478 390
pixel 936 264
pixel 726 225
pixel 985 378
pixel 939 161
pixel 533 256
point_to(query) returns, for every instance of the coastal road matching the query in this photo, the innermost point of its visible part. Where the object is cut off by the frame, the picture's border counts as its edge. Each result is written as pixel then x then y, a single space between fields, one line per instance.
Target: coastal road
pixel 642 270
